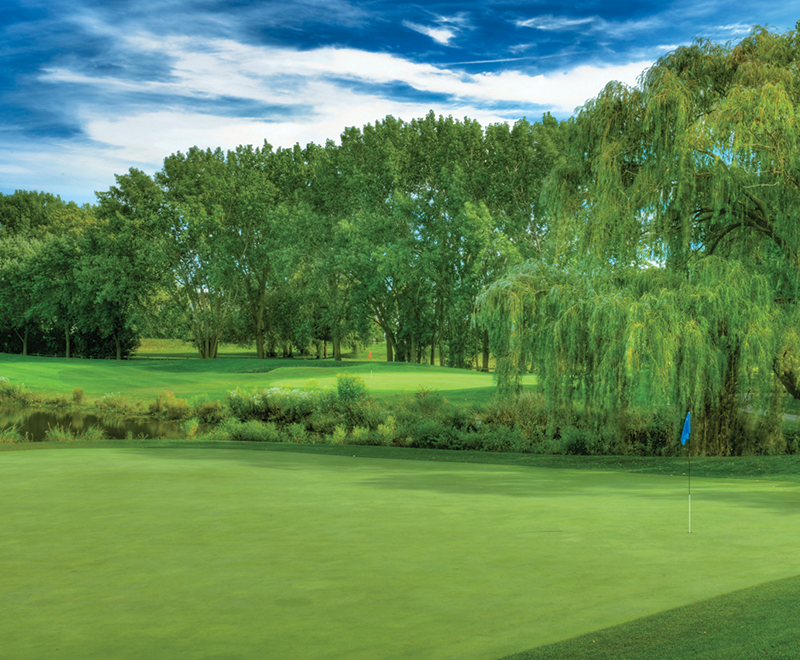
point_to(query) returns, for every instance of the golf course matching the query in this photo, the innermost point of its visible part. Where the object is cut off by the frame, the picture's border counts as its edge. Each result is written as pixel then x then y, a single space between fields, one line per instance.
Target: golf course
pixel 207 549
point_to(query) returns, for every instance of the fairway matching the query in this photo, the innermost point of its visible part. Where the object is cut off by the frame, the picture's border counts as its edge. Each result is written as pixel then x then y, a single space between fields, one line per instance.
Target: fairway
pixel 131 553
pixel 144 380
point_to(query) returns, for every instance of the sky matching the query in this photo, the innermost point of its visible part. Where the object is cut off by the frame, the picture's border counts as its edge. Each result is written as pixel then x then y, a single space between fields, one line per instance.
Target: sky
pixel 91 88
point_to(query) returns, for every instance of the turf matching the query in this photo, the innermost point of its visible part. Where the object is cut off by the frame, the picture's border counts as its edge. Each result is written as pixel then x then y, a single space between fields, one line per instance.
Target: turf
pixel 143 380
pixel 132 552
pixel 759 622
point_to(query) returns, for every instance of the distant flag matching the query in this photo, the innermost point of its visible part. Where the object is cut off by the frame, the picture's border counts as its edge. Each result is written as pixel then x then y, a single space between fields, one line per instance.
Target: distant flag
pixel 686 428
pixel 370 355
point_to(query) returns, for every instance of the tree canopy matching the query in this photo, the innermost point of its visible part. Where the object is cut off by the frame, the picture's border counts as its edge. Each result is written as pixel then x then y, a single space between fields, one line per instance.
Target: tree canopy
pixel 676 243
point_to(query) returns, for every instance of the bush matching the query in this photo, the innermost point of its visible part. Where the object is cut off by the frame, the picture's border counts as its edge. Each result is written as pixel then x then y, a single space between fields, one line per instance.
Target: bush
pixel 210 412
pixel 77 396
pixel 249 431
pixel 503 438
pixel 190 427
pixel 349 388
pixel 115 404
pixel 360 435
pixel 298 433
pixel 339 435
pixel 169 406
pixel 17 394
pixel 275 404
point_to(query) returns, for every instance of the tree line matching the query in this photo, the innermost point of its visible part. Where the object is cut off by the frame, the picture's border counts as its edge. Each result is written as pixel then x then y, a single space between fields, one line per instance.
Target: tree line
pixel 394 231
pixel 646 249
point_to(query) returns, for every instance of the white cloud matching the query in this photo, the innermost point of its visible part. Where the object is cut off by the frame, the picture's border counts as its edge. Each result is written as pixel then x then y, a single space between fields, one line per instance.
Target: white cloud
pixel 439 35
pixel 551 23
pixel 316 105
pixel 735 28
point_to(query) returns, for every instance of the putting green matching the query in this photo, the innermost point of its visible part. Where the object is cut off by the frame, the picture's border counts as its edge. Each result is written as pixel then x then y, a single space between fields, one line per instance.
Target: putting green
pixel 131 553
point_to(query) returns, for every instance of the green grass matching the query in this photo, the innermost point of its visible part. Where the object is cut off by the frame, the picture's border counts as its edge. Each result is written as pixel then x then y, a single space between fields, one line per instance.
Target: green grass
pixel 759 622
pixel 177 549
pixel 143 380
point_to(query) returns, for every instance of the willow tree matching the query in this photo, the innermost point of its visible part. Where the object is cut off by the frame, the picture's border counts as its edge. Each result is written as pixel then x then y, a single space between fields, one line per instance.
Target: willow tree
pixel 690 180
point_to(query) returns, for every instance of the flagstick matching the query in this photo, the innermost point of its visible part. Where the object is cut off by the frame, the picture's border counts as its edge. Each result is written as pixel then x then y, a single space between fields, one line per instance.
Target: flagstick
pixel 689 457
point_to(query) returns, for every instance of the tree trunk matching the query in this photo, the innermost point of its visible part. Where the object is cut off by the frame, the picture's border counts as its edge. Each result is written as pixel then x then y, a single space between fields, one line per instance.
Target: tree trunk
pixel 485 365
pixel 259 323
pixel 389 350
pixel 118 345
pixel 66 334
pixel 24 339
pixel 337 348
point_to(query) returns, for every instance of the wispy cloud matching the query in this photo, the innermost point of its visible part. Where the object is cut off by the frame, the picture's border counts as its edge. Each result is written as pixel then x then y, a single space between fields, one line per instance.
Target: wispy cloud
pixel 553 23
pixel 90 87
pixel 590 24
pixel 735 28
pixel 439 35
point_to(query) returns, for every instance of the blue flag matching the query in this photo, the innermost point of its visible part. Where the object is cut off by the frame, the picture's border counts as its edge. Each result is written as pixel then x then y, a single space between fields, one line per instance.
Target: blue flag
pixel 686 429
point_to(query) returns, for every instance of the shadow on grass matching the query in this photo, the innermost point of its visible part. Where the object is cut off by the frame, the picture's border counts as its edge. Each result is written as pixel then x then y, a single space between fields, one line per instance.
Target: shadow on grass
pixel 760 621
pixel 516 484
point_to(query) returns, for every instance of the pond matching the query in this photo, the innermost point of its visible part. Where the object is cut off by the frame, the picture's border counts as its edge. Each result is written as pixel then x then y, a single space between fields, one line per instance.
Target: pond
pixel 36 422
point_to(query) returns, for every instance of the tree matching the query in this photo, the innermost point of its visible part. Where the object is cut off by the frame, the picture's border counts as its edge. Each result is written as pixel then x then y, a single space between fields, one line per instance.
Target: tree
pixel 17 262
pixel 691 182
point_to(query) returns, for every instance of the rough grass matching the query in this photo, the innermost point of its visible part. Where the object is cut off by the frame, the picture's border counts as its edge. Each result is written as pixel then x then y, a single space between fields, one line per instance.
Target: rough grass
pixel 137 551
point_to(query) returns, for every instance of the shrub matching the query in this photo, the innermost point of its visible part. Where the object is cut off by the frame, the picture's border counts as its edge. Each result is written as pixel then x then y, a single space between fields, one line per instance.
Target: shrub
pixel 349 388
pixel 17 394
pixel 77 396
pixel 503 438
pixel 275 404
pixel 115 403
pixel 360 435
pixel 249 431
pixel 339 435
pixel 387 431
pixel 190 427
pixel 169 406
pixel 298 433
pixel 324 422
pixel 210 412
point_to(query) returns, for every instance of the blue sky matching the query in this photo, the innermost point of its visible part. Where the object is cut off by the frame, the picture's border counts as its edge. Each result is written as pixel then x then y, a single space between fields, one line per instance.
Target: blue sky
pixel 90 88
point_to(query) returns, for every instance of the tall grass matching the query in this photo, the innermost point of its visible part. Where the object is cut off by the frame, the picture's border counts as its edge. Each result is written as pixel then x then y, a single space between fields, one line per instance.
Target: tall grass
pixel 60 433
pixel 11 434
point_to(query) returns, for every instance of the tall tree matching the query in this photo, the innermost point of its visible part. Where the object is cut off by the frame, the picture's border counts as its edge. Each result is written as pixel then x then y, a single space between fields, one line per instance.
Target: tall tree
pixel 689 181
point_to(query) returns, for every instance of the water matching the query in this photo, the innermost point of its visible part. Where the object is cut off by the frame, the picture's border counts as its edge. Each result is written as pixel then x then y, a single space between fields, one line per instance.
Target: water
pixel 36 422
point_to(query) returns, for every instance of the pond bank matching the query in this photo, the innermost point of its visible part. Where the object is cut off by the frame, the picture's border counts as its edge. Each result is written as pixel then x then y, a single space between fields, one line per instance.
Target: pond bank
pixel 35 422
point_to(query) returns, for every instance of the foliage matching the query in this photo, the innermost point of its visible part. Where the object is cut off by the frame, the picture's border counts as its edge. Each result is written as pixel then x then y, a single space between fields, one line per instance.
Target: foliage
pixel 60 433
pixel 673 262
pixel 169 406
pixel 16 394
pixel 116 403
pixel 11 434
pixel 349 388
